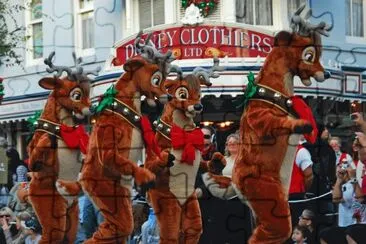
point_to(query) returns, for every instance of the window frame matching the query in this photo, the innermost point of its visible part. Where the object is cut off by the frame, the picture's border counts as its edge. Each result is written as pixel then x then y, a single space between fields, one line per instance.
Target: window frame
pixel 130 16
pixel 277 20
pixel 357 39
pixel 79 50
pixel 29 23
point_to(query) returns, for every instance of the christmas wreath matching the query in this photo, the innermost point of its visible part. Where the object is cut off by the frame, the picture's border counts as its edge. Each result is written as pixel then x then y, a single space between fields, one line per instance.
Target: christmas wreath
pixel 206 6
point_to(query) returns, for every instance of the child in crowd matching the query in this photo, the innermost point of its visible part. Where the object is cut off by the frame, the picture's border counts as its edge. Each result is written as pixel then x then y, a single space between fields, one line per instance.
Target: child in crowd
pixel 301 235
pixel 33 231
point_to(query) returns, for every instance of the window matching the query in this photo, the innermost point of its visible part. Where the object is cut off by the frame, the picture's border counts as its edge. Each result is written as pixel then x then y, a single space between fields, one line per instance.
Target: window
pixel 254 12
pixel 85 27
pixel 151 13
pixel 354 18
pixel 293 5
pixel 34 30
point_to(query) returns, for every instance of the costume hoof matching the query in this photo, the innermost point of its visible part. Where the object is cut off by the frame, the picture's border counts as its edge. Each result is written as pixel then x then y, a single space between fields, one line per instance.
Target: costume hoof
pixel 147 186
pixel 171 159
pixel 307 128
pixel 36 166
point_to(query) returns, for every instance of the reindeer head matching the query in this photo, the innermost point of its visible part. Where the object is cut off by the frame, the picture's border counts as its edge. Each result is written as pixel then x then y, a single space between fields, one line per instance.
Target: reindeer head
pixel 149 70
pixel 71 92
pixel 186 90
pixel 299 51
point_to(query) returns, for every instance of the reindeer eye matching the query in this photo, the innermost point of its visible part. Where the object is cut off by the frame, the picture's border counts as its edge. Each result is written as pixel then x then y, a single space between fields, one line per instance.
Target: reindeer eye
pixel 76 94
pixel 156 78
pixel 181 94
pixel 308 55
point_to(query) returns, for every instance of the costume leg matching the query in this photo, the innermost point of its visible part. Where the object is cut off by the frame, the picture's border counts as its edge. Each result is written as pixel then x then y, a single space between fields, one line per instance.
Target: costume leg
pixel 267 198
pixel 168 213
pixel 72 222
pixel 50 208
pixel 191 221
pixel 114 202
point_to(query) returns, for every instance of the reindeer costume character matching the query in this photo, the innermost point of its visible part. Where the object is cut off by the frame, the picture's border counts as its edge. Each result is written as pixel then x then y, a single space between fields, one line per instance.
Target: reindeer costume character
pixel 54 152
pixel 174 199
pixel 270 128
pixel 116 143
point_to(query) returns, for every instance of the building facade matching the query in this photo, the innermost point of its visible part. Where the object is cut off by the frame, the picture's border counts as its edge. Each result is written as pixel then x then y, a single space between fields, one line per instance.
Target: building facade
pixel 239 32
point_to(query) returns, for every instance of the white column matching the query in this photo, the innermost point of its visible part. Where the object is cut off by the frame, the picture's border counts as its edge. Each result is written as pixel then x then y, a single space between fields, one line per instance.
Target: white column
pixel 170 11
pixel 228 11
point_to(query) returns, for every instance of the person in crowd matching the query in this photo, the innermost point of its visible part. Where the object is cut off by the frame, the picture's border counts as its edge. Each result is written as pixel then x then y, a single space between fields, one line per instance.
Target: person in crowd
pixel 301 180
pixel 336 143
pixel 346 190
pixel 91 217
pixel 221 221
pixel 231 151
pixel 347 193
pixel 33 231
pixel 4 168
pixel 307 219
pixel 301 235
pixel 324 177
pixel 8 225
pixel 19 237
pixel 150 229
pixel 80 235
pixel 17 168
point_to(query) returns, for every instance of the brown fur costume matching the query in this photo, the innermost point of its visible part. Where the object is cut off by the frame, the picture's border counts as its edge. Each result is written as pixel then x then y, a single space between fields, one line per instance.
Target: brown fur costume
pixel 174 199
pixel 53 189
pixel 116 146
pixel 269 130
pixel 263 168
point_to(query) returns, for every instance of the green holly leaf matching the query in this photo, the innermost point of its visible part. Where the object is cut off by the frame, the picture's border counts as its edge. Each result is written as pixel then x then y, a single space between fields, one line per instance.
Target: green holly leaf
pixel 108 98
pixel 33 119
pixel 250 90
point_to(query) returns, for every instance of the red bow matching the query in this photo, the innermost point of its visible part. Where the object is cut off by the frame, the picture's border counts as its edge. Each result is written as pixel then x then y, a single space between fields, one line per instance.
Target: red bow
pixel 305 113
pixel 75 137
pixel 189 140
pixel 149 136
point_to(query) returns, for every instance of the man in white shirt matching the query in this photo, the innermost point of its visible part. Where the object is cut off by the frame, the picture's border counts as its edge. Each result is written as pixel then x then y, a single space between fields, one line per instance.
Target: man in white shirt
pixel 301 180
pixel 335 143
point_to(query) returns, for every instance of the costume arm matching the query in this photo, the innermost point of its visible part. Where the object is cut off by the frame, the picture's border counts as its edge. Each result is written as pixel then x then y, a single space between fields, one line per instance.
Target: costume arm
pixel 41 152
pixel 267 123
pixel 111 148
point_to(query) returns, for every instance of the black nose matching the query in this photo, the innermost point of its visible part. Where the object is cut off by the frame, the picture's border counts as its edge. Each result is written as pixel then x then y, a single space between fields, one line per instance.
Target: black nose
pixel 170 97
pixel 198 107
pixel 326 75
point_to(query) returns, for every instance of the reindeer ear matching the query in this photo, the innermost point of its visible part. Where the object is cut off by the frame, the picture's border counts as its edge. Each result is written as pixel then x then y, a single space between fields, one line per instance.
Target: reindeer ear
pixel 133 65
pixel 283 38
pixel 48 83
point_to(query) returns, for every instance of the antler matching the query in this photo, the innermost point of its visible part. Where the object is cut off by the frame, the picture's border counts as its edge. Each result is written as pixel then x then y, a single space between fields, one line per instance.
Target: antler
pixel 304 28
pixel 205 75
pixel 78 75
pixel 151 54
pixel 176 69
pixel 52 67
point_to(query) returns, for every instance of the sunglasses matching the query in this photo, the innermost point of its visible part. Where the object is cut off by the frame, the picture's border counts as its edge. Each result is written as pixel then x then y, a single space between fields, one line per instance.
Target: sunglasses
pixel 207 136
pixel 302 217
pixel 2 216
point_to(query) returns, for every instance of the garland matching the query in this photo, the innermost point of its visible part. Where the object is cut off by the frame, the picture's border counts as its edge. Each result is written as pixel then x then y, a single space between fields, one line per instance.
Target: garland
pixel 206 6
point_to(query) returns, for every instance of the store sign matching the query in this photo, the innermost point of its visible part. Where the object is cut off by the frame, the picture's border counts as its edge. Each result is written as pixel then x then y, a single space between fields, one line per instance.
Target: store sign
pixel 203 41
